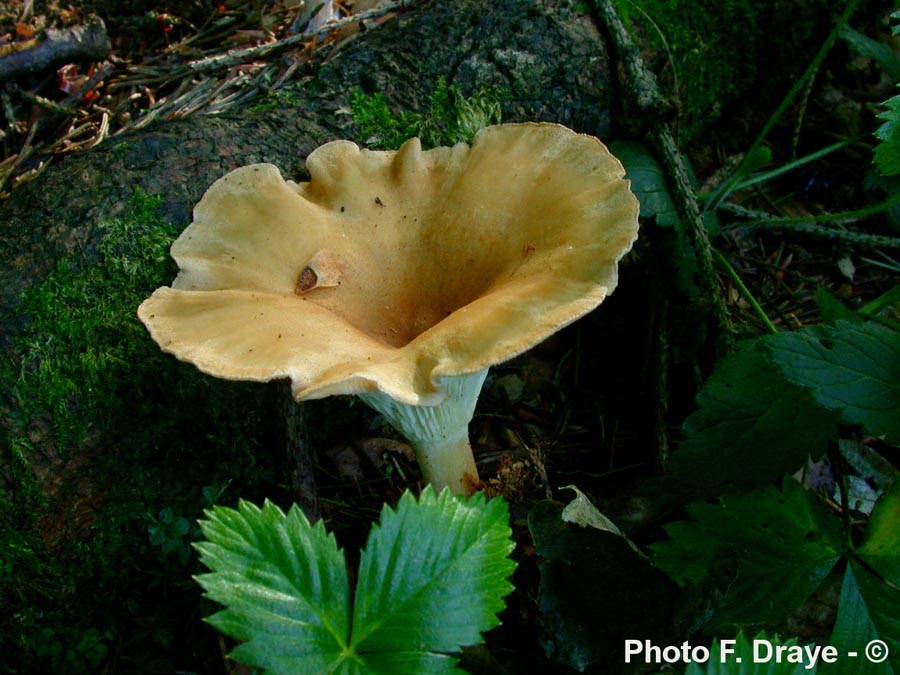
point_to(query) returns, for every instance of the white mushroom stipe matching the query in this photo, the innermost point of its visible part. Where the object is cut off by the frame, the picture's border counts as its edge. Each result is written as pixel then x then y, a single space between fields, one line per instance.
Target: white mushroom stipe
pixel 439 434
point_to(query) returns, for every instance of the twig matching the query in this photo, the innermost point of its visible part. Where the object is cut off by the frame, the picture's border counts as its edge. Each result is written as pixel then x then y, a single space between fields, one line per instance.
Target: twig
pixel 95 79
pixel 814 230
pixel 24 154
pixel 88 42
pixel 815 225
pixel 655 108
pixel 239 56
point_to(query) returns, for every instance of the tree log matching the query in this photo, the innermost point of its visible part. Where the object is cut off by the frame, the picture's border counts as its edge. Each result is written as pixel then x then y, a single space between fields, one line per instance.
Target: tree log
pixel 88 42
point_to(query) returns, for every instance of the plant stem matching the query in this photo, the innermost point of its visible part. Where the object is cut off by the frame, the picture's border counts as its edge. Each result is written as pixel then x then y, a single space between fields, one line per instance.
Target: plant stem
pixel 654 107
pixel 813 225
pixel 728 186
pixel 748 296
pixel 790 166
pixel 838 470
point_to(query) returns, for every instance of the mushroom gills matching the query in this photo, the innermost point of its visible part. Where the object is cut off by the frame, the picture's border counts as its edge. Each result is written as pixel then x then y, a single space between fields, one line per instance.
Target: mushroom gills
pixel 439 434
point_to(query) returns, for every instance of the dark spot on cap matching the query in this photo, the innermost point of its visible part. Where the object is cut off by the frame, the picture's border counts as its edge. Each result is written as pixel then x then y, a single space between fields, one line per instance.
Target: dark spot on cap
pixel 306 281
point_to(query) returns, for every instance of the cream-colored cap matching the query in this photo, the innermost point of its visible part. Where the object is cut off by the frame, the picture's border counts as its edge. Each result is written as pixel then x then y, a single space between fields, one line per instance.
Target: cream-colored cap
pixel 390 270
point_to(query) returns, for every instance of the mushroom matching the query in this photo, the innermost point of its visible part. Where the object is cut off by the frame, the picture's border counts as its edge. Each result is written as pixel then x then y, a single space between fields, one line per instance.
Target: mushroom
pixel 400 277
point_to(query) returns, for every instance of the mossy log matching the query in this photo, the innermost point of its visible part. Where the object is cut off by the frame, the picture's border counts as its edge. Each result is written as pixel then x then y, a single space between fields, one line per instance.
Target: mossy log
pixel 547 57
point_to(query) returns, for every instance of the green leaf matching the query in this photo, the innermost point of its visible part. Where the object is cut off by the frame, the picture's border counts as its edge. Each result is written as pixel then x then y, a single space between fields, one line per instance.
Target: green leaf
pixel 648 182
pixel 851 368
pixel 867 611
pixel 881 547
pixel 433 575
pixel 284 584
pixel 739 657
pixel 596 591
pixel 883 304
pixel 432 578
pixel 771 549
pixel 751 426
pixel 833 309
pixel 882 52
pixel 887 152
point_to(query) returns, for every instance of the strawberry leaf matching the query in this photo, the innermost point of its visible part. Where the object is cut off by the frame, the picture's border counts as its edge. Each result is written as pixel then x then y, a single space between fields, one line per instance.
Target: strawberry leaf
pixel 770 548
pixel 853 368
pixel 751 426
pixel 432 579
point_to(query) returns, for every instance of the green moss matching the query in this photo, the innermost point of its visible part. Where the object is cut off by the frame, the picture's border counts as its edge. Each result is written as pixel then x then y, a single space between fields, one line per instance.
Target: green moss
pixel 702 49
pixel 273 100
pixel 450 118
pixel 83 337
pixel 105 433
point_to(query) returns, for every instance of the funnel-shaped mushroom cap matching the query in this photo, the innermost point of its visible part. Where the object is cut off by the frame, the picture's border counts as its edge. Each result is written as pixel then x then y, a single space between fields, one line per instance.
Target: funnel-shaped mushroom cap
pixel 388 271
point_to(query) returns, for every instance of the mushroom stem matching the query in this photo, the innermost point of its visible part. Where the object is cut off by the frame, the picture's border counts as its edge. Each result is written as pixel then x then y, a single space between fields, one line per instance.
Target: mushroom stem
pixel 439 433
pixel 448 463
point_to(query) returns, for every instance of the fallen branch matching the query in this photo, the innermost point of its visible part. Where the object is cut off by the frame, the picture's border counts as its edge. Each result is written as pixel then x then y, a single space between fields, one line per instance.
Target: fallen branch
pixel 239 56
pixel 818 226
pixel 817 231
pixel 88 42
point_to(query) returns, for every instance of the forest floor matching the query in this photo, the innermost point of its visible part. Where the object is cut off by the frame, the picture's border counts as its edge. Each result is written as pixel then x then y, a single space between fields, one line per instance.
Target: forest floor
pixel 802 235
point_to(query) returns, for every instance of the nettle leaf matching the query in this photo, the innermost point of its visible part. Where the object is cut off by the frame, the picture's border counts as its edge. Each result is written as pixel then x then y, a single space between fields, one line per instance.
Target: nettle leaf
pixel 432 579
pixel 849 367
pixel 771 549
pixel 740 657
pixel 867 611
pixel 751 426
pixel 881 547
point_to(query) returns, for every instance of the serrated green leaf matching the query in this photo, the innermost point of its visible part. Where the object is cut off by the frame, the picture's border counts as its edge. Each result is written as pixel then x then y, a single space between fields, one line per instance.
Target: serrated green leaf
pixel 433 575
pixel 773 548
pixel 751 426
pixel 887 152
pixel 851 368
pixel 432 578
pixel 881 547
pixel 283 583
pixel 740 658
pixel 867 610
